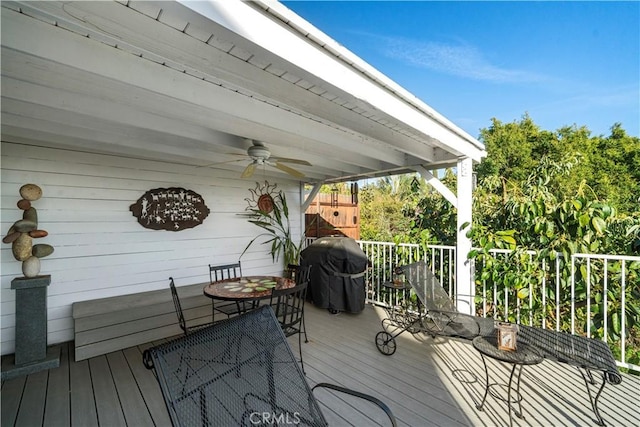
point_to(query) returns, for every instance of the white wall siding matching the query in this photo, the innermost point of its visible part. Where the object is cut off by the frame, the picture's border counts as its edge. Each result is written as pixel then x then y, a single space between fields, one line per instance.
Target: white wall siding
pixel 100 249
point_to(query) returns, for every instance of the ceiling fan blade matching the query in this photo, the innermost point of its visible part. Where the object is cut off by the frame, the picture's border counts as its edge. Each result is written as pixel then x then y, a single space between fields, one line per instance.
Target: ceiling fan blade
pixel 220 163
pixel 289 170
pixel 248 171
pixel 286 160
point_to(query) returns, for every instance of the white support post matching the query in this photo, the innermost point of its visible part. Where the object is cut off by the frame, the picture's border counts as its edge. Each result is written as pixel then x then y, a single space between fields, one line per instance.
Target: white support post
pixel 314 191
pixel 464 270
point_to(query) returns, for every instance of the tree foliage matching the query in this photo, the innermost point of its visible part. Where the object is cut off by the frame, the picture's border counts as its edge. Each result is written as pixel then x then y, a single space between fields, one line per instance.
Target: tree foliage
pixel 383 207
pixel 609 166
pixel 563 192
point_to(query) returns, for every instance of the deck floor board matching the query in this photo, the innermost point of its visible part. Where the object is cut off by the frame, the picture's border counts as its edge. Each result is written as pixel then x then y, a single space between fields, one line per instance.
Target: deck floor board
pixel 427 382
pixel 148 387
pixel 11 396
pixel 33 399
pixel 58 407
pixel 83 404
pixel 132 400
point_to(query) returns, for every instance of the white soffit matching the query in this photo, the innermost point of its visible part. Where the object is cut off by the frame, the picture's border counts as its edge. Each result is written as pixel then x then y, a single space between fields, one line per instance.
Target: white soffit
pixel 343 69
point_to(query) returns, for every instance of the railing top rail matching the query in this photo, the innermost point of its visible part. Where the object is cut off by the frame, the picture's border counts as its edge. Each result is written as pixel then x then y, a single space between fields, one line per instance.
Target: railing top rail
pixel 579 255
pixel 415 245
pixel 608 256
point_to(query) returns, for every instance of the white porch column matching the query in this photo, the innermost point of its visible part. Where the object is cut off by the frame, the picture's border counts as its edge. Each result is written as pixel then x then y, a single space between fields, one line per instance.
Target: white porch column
pixel 464 277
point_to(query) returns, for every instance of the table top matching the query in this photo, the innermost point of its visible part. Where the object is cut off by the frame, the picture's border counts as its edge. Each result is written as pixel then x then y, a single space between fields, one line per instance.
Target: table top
pixel 523 355
pixel 247 287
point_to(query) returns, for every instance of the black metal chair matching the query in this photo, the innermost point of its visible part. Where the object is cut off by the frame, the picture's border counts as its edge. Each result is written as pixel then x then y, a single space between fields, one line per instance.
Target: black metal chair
pixel 239 372
pixel 300 275
pixel 222 272
pixel 288 306
pixel 178 306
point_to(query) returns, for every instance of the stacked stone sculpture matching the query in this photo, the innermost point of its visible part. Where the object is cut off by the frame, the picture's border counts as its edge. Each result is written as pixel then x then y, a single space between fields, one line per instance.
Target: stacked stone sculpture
pixel 22 233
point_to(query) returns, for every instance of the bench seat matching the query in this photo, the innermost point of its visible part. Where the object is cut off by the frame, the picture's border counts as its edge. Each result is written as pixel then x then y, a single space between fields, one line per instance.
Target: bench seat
pixel 109 324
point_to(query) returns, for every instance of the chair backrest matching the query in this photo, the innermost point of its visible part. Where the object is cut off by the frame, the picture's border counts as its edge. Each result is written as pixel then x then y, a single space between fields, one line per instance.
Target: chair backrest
pixel 298 273
pixel 222 374
pixel 288 305
pixel 226 271
pixel 178 306
pixel 427 287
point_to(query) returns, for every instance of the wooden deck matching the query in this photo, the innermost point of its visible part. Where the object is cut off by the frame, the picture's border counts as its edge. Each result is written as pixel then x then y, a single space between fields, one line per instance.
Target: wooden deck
pixel 426 382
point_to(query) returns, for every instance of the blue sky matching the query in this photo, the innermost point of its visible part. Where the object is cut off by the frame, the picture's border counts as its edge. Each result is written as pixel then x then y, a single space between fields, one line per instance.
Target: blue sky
pixel 563 63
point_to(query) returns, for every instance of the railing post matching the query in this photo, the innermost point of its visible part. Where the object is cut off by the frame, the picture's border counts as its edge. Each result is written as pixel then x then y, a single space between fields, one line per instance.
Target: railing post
pixel 464 284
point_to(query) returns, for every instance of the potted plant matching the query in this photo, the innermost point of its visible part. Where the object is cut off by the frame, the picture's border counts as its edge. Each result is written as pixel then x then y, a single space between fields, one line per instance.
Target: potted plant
pixel 268 210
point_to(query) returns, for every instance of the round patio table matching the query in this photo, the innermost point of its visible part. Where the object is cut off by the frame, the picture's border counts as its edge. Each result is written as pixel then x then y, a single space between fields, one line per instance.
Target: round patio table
pixel 524 355
pixel 247 288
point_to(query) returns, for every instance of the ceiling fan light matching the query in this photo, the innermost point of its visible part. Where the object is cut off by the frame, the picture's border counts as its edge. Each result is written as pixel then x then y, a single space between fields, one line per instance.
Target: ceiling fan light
pixel 258 152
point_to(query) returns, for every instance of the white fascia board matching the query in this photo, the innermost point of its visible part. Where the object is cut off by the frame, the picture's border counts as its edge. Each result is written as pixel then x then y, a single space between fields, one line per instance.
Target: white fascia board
pixel 251 24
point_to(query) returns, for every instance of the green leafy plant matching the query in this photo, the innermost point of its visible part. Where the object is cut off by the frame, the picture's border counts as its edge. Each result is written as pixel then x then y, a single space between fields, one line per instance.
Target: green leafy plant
pixel 269 211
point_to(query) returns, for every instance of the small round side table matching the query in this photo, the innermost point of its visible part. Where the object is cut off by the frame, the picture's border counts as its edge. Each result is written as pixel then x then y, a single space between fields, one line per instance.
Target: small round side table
pixel 524 355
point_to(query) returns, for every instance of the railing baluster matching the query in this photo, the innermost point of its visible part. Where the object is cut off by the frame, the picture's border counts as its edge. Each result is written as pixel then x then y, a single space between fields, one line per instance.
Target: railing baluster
pixel 573 295
pixel 589 297
pixel 605 292
pixel 623 314
pixel 558 293
pixel 544 293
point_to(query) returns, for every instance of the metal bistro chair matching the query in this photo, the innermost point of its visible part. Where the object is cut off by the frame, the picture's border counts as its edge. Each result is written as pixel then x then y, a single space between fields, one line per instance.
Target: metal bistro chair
pixel 288 306
pixel 222 272
pixel 241 372
pixel 300 275
pixel 178 306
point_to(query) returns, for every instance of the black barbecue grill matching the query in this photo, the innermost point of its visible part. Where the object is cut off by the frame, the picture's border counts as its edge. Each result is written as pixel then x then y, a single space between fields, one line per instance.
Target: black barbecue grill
pixel 337 280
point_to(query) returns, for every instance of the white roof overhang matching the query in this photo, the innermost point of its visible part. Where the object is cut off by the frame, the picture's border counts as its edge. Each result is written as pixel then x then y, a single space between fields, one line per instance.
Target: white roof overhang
pixel 190 82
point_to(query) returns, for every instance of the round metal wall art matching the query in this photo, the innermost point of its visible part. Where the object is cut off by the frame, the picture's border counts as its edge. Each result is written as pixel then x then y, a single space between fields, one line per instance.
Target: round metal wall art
pixel 171 209
pixel 262 197
pixel 265 203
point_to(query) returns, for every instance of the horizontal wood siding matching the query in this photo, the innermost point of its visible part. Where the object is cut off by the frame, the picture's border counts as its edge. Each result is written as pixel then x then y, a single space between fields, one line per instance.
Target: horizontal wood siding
pixel 100 249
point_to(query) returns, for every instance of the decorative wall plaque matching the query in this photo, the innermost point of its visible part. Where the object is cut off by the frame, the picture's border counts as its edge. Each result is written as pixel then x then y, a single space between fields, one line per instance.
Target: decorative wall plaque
pixel 171 209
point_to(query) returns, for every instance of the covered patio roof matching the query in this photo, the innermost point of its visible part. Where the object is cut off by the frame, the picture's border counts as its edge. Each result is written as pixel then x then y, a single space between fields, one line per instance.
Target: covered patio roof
pixel 194 82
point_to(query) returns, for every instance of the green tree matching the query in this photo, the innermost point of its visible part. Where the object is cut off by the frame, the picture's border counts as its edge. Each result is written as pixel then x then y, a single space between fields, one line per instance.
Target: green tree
pixel 433 219
pixel 383 207
pixel 609 166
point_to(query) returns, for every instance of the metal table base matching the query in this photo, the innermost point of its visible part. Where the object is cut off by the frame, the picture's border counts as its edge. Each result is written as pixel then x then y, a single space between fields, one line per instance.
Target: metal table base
pixel 524 355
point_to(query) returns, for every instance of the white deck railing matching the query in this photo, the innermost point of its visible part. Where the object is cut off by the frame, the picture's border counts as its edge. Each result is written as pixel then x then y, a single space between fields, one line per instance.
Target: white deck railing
pixel 593 303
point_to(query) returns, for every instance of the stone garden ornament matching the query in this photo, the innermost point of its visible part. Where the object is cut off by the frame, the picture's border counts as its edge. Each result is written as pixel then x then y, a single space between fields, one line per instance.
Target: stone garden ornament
pixel 23 231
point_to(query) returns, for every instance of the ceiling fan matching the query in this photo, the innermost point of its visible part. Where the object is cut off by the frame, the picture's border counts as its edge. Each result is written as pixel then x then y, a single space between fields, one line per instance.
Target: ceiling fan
pixel 260 156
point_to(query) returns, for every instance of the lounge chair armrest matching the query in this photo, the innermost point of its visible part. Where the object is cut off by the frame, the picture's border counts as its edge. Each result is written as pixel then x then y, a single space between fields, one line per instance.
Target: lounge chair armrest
pixel 361 395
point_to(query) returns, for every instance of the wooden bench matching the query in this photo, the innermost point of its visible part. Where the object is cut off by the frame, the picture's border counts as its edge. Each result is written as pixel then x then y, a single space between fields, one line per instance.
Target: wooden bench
pixel 109 324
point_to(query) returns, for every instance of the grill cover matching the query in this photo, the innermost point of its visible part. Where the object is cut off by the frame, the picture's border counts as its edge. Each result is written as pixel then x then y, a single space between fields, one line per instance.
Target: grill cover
pixel 337 273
